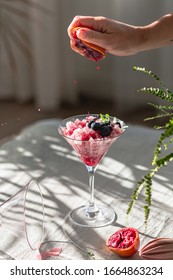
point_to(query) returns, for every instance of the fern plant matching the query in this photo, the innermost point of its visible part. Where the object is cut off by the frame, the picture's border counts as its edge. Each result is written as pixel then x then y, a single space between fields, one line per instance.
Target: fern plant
pixel 161 156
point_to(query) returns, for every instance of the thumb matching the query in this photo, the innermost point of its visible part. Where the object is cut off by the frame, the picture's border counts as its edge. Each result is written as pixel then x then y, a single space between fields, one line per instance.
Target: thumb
pixel 90 36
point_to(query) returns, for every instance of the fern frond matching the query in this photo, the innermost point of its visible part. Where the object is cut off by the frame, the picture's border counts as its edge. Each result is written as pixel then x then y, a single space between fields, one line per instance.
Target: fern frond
pixel 164 161
pixel 156 117
pixel 145 182
pixel 161 107
pixel 165 138
pixel 146 213
pixel 164 135
pixel 158 127
pixel 167 143
pixel 135 195
pixel 164 95
pixel 151 74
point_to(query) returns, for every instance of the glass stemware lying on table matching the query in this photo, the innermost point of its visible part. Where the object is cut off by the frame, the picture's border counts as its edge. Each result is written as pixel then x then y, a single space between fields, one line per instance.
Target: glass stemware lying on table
pixel 91 137
pixel 18 216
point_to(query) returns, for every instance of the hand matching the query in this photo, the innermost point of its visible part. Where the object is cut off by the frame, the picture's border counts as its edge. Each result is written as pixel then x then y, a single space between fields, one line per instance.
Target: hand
pixel 117 38
pixel 122 39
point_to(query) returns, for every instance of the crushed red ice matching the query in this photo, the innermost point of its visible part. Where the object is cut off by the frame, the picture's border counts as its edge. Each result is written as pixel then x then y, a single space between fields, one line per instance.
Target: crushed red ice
pixel 79 130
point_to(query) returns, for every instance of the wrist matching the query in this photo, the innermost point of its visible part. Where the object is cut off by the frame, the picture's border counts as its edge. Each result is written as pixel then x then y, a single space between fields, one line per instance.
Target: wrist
pixel 143 38
pixel 157 34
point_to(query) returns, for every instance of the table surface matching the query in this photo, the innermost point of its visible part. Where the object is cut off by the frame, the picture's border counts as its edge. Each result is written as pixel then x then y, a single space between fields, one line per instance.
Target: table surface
pixel 39 152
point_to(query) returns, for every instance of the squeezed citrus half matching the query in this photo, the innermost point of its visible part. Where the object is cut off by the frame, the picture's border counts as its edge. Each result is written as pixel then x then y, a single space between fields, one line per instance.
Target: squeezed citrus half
pixel 124 242
pixel 89 50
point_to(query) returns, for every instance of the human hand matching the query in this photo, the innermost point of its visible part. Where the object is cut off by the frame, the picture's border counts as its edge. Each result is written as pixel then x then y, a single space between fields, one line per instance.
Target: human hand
pixel 115 37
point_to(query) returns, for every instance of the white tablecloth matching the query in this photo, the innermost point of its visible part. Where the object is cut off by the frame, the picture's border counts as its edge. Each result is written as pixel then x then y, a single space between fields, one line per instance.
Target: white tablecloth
pixel 39 152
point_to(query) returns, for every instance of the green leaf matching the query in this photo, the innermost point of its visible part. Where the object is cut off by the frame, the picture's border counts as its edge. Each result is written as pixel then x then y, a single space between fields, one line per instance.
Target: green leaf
pixel 105 118
pixel 164 140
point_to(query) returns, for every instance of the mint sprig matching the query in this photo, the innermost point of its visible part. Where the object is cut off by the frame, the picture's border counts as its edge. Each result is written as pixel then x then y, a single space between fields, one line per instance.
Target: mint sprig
pixel 105 118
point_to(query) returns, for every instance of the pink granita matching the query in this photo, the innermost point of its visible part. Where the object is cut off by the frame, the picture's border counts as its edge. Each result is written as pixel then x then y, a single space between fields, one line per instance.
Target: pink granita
pixel 85 135
pixel 79 130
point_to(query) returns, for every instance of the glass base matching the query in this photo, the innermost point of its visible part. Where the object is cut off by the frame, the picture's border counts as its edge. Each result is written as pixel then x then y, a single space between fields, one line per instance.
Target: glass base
pixel 99 216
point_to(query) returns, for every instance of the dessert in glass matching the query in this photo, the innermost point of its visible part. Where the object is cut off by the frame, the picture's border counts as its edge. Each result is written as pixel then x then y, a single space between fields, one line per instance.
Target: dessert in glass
pixel 91 136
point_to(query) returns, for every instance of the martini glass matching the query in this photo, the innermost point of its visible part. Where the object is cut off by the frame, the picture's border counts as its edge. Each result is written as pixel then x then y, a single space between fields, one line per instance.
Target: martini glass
pixel 91 152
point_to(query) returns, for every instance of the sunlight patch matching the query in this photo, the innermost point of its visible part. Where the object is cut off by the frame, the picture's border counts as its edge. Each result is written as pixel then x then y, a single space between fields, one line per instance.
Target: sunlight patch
pixel 50 138
pixel 59 148
pixel 140 167
pixel 3 153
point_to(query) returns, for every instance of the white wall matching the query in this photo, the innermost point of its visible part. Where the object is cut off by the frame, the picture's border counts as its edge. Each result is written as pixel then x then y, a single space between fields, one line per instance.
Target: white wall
pixel 139 12
pixel 116 78
pixel 55 66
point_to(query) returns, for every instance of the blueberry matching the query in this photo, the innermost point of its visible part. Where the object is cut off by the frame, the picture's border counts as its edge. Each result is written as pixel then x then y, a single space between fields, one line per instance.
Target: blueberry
pixel 118 123
pixel 90 123
pixel 105 130
pixel 96 126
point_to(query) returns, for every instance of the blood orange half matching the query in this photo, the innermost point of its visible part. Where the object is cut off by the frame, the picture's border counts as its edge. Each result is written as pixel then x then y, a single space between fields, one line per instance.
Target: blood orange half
pixel 124 242
pixel 89 50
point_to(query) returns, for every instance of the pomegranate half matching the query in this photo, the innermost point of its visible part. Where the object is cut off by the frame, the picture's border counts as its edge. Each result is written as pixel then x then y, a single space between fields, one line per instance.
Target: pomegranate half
pixel 124 242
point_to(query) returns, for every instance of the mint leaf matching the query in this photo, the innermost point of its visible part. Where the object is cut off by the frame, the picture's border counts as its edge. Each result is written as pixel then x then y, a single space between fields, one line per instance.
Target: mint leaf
pixel 105 118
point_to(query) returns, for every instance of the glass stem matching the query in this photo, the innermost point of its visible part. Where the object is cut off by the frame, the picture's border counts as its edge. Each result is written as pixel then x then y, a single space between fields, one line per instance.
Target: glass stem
pixel 92 209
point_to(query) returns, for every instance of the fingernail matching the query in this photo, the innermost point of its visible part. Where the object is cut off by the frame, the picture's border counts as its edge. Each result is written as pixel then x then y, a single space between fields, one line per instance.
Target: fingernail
pixel 81 33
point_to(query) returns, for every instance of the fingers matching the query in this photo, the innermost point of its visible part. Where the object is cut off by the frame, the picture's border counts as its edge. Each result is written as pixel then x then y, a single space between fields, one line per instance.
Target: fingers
pixel 91 36
pixel 94 34
pixel 95 23
pixel 77 22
